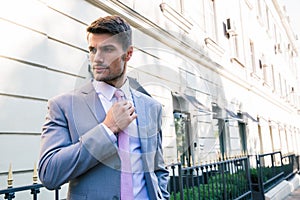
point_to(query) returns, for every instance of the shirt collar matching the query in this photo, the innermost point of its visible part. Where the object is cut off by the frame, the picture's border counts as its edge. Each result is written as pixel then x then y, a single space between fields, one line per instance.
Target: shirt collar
pixel 126 89
pixel 105 89
pixel 108 91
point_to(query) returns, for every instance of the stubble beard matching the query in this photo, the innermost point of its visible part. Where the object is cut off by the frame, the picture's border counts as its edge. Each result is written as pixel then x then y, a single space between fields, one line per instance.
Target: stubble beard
pixel 110 79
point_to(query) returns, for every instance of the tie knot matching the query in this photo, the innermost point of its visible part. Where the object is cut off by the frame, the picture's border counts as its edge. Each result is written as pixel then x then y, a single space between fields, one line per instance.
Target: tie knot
pixel 119 94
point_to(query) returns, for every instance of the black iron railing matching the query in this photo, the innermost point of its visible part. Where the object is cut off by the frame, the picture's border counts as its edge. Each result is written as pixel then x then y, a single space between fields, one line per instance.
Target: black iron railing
pixel 228 179
pixel 267 174
pixel 271 169
pixel 290 165
pixel 34 189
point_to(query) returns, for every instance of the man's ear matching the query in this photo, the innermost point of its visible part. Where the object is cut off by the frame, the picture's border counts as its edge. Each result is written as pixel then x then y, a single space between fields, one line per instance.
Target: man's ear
pixel 128 53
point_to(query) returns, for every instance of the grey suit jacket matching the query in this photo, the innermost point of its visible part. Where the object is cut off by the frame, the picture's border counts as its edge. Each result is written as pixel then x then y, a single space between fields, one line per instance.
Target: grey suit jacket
pixel 75 147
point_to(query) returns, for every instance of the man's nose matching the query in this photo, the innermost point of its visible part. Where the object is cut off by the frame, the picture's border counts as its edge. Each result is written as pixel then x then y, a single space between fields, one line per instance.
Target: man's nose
pixel 99 57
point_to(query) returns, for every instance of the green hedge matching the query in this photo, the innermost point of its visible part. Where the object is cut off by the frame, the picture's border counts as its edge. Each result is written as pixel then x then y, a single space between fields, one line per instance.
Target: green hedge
pixel 234 186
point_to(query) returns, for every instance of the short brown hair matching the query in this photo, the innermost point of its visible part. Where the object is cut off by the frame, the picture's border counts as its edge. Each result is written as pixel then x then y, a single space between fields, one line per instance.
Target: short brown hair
pixel 114 25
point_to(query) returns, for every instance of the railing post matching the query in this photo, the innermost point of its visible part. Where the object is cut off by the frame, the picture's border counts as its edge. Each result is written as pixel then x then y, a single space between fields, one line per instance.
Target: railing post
pixel 298 164
pixel 57 194
pixel 174 181
pixel 9 195
pixel 10 191
pixel 180 182
pixel 248 171
pixel 35 191
pixel 260 179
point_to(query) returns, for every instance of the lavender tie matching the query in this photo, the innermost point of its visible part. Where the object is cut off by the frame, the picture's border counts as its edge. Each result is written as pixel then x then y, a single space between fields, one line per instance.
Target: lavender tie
pixel 124 152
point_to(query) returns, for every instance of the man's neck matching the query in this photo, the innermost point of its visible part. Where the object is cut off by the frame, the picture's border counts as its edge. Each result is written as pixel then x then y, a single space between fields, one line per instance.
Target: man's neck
pixel 117 83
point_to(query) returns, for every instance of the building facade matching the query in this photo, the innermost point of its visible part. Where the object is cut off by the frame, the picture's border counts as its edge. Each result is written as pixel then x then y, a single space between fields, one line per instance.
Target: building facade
pixel 226 73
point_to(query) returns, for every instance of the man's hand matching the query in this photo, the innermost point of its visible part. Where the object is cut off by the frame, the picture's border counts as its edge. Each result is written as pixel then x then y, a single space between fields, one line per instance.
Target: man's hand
pixel 119 116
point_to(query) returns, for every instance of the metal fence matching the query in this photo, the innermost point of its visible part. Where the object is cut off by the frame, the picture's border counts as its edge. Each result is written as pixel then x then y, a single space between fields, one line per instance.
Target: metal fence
pixel 271 169
pixel 34 189
pixel 236 178
pixel 228 179
pixel 267 174
pixel 290 165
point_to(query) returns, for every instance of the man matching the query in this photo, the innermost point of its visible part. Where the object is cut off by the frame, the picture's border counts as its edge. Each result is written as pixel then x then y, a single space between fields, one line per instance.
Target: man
pixel 81 138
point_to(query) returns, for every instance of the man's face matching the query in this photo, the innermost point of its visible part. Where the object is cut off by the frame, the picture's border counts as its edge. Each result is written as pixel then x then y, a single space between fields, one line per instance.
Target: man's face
pixel 107 58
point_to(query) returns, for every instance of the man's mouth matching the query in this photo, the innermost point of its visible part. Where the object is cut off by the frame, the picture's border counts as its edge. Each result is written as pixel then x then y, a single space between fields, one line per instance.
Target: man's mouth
pixel 100 68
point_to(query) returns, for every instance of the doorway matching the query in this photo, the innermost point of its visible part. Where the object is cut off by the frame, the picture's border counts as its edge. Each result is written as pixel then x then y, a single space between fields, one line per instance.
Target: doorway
pixel 183 137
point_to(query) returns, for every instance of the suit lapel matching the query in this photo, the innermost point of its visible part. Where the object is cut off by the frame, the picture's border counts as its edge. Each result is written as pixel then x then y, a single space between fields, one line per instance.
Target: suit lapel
pixel 142 119
pixel 143 128
pixel 93 102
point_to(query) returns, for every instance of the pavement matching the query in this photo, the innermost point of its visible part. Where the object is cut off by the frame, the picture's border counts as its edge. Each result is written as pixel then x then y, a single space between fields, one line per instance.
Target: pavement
pixel 294 195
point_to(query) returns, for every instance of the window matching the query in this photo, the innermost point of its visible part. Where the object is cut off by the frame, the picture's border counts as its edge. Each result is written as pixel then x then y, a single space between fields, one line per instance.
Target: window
pixel 280 85
pixel 183 137
pixel 264 135
pixel 259 9
pixel 252 55
pixel 176 15
pixel 285 94
pixel 276 142
pixel 175 4
pixel 273 78
pixel 293 97
pixel 211 24
pixel 235 46
pixel 267 72
pixel 261 12
pixel 243 136
pixel 289 138
pixel 268 18
pixel 234 39
pixel 196 12
pixel 275 33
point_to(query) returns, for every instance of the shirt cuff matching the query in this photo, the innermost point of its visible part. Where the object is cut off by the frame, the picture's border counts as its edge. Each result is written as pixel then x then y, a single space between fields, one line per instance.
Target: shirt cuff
pixel 111 135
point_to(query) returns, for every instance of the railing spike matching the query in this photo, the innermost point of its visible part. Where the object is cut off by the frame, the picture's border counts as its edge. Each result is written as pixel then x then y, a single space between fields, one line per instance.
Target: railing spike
pixel 10 177
pixel 35 176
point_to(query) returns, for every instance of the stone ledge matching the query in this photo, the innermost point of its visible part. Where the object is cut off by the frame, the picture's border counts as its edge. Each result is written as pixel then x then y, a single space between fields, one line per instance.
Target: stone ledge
pixel 295 182
pixel 280 191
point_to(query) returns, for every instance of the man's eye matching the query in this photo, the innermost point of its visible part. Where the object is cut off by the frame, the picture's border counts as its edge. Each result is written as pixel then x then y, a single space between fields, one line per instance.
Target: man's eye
pixel 108 49
pixel 93 50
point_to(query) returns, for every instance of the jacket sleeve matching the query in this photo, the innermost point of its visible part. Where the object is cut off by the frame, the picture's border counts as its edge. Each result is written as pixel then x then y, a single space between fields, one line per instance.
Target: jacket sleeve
pixel 161 172
pixel 62 159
